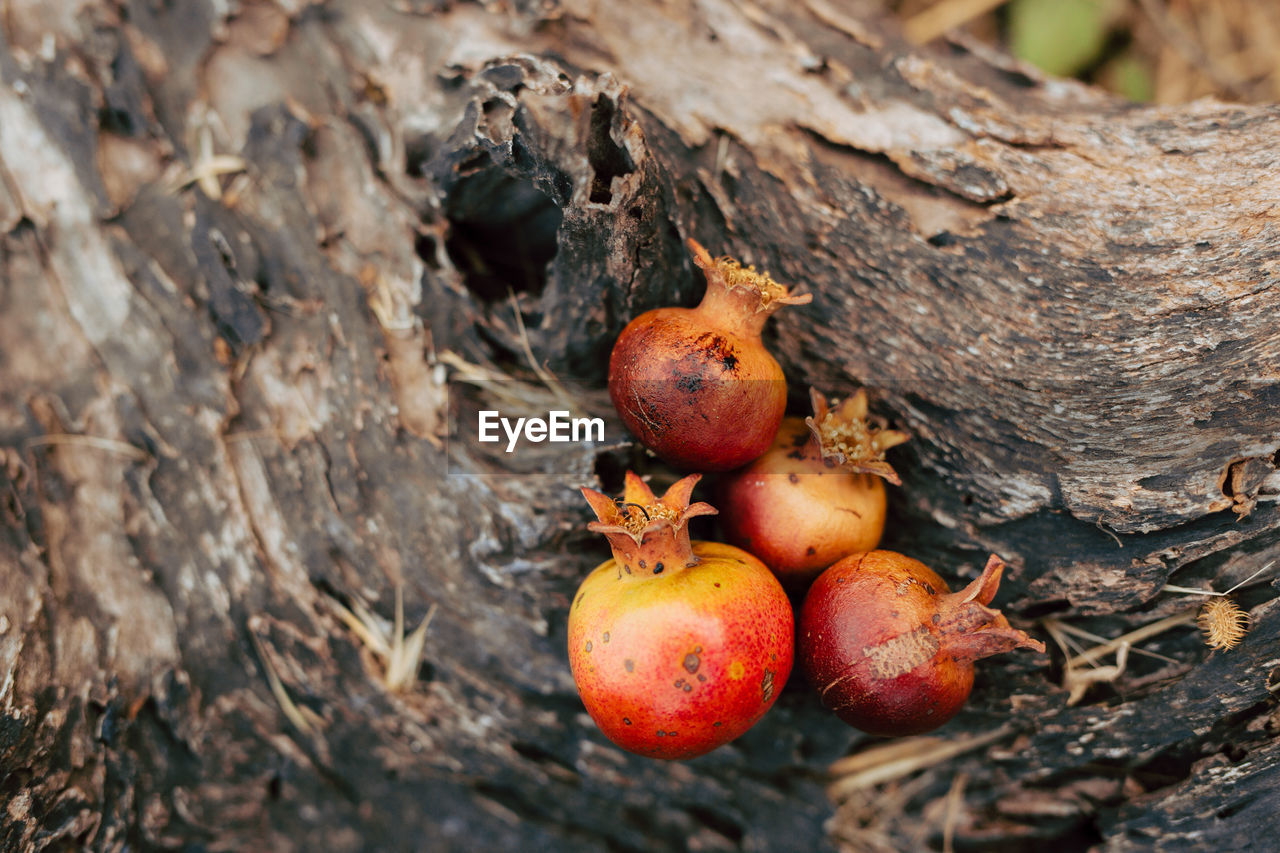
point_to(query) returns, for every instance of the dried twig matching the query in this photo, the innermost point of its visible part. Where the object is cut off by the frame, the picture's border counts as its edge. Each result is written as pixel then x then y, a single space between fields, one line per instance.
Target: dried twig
pixel 110 445
pixel 1097 638
pixel 545 376
pixel 1186 590
pixel 945 16
pixel 1134 637
pixel 955 797
pixel 881 764
pixel 1077 680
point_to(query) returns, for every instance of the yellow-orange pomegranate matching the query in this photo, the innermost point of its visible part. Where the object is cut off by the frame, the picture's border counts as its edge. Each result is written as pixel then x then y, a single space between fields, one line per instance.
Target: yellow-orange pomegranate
pixel 676 646
pixel 817 494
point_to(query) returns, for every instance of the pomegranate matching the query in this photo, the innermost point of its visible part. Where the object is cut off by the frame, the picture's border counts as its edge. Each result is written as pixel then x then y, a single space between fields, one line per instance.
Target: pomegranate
pixel 817 494
pixel 696 385
pixel 890 650
pixel 676 646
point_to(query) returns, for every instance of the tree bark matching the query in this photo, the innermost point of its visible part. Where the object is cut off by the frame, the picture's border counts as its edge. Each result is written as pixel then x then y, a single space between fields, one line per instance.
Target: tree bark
pixel 244 246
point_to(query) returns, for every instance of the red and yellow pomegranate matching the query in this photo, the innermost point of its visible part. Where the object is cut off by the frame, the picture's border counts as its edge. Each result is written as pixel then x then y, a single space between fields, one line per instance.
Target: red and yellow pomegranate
pixel 890 650
pixel 676 646
pixel 817 494
pixel 696 385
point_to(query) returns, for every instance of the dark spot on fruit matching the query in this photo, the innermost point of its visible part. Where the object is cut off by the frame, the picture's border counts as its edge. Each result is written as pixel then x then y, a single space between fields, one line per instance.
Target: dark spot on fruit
pixel 717 723
pixel 766 685
pixel 893 614
pixel 626 721
pixel 691 661
pixel 810 551
pixel 690 383
pixel 583 595
pixel 629 664
pixel 661 733
pixel 718 347
pixel 642 565
pixel 679 682
pixel 628 568
pixel 793 478
pixel 930 589
pixel 701 677
pixel 605 637
pixel 717 586
pixel 688 687
pixel 657 570
pixel 588 645
pixel 937 617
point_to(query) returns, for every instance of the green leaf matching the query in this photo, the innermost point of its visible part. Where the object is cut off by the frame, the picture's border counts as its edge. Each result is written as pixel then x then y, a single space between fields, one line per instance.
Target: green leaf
pixel 1059 36
pixel 1129 76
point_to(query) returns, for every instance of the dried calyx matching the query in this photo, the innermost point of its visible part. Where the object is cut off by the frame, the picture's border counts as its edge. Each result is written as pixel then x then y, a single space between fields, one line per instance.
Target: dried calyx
pixel 971 628
pixel 646 532
pixel 737 276
pixel 849 437
pixel 737 290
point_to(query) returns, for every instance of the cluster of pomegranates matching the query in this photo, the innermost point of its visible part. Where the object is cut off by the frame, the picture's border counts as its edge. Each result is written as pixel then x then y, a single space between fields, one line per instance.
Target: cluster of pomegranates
pixel 679 646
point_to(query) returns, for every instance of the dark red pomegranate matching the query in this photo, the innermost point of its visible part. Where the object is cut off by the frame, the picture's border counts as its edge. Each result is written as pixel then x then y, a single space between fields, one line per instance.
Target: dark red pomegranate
pixel 890 650
pixel 696 385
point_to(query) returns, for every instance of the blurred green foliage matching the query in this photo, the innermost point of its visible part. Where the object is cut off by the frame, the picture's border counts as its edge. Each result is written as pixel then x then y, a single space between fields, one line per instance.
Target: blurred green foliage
pixel 1129 76
pixel 1062 37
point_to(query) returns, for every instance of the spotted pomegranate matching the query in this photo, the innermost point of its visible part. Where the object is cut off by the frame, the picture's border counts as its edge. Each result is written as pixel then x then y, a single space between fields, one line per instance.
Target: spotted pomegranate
pixel 817 494
pixel 696 385
pixel 676 646
pixel 890 650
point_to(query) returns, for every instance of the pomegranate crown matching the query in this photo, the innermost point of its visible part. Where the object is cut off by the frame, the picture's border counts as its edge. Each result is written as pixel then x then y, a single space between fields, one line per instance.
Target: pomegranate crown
pixel 975 629
pixel 645 531
pixel 849 437
pixel 755 292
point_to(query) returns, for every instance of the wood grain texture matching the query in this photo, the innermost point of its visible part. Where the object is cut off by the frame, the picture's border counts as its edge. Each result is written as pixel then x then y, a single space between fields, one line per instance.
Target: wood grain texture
pixel 242 247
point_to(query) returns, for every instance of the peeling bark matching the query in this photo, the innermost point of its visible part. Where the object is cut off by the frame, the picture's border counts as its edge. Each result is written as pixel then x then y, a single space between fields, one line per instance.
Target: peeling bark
pixel 241 247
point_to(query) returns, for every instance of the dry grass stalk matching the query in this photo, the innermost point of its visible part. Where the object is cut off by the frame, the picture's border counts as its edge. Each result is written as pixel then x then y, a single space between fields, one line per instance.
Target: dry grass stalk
pixel 401 656
pixel 943 17
pixel 899 758
pixel 109 445
pixel 304 719
pixel 955 799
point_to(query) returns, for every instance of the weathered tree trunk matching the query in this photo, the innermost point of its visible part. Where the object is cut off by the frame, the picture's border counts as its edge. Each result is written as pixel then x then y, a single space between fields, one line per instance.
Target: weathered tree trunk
pixel 240 253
